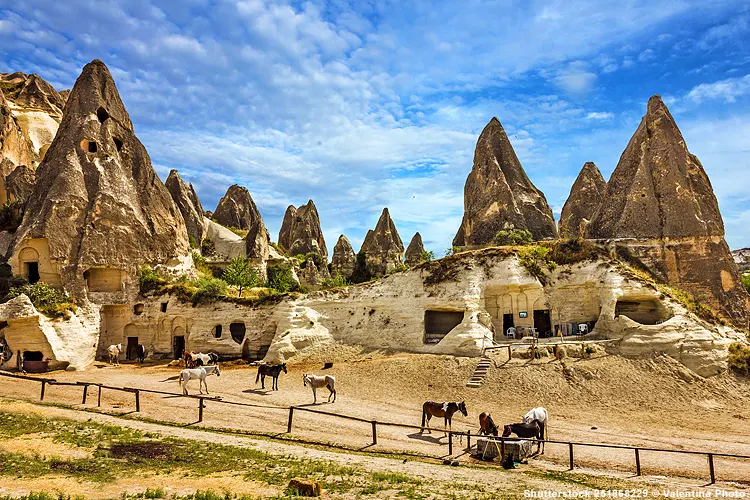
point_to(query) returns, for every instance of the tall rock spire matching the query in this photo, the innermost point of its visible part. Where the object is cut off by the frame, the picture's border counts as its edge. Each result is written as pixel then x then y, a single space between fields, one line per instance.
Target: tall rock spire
pixel 498 194
pixel 660 208
pixel 237 209
pixel 187 202
pixel 585 198
pixel 97 202
pixel 382 248
pixel 343 260
pixel 300 232
pixel 415 251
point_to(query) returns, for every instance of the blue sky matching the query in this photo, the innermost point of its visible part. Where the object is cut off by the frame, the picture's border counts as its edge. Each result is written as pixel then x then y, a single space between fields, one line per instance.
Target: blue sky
pixel 361 105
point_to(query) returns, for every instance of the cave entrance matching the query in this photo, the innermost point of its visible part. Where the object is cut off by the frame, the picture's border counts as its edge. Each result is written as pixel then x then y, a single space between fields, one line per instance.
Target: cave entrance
pixel 32 272
pixel 178 346
pixel 508 322
pixel 437 324
pixel 543 323
pixel 238 332
pixel 643 310
pixel 132 352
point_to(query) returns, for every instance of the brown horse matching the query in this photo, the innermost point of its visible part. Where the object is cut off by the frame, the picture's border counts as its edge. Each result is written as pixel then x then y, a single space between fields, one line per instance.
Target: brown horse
pixel 533 429
pixel 445 410
pixel 486 425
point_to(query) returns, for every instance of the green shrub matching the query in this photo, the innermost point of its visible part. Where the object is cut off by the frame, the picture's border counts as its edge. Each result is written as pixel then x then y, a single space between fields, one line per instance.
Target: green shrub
pixel 10 216
pixel 334 282
pixel 209 290
pixel 281 279
pixel 399 268
pixel 241 274
pixel 207 247
pixel 739 358
pixel 47 300
pixel 192 242
pixel 452 250
pixel 150 280
pixel 239 232
pixel 427 256
pixel 535 259
pixel 514 237
pixel 746 281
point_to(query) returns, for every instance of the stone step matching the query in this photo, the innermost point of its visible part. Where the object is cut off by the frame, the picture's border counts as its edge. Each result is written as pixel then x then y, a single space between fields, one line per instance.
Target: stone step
pixel 480 372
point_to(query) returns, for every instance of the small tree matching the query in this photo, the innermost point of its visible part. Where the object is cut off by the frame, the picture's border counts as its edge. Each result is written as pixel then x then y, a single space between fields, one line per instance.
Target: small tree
pixel 427 255
pixel 240 273
pixel 746 281
pixel 513 237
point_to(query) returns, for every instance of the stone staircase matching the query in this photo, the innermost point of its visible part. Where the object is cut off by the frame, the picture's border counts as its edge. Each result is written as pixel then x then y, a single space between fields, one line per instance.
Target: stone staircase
pixel 480 372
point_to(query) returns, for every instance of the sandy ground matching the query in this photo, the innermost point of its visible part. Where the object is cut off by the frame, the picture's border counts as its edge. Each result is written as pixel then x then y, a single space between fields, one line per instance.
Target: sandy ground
pixel 603 400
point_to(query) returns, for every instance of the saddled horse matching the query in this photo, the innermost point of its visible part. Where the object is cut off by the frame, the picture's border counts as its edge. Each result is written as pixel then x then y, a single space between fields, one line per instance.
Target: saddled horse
pixel 526 430
pixel 446 410
pixel 201 373
pixel 272 371
pixel 317 382
pixel 114 354
pixel 141 357
pixel 487 425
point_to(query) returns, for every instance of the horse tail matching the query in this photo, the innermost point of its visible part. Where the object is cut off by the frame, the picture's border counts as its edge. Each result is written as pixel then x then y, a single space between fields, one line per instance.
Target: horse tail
pixel 424 416
pixel 257 377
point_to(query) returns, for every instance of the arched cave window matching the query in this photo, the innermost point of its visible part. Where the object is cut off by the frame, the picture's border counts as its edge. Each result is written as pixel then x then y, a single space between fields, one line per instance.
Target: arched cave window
pixel 33 356
pixel 92 147
pixel 238 332
pixel 118 144
pixel 138 309
pixel 217 331
pixel 102 114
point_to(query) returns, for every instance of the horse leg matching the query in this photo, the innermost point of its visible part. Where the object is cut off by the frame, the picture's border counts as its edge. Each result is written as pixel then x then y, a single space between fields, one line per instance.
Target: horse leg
pixel 262 380
pixel 429 416
pixel 315 397
pixel 275 385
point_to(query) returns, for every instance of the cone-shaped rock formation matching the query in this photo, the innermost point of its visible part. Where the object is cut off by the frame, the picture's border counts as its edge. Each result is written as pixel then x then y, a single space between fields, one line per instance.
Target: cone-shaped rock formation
pixel 31 91
pixel 415 251
pixel 97 204
pixel 382 248
pixel 20 184
pixel 188 204
pixel 584 201
pixel 300 232
pixel 498 194
pixel 660 198
pixel 237 209
pixel 343 260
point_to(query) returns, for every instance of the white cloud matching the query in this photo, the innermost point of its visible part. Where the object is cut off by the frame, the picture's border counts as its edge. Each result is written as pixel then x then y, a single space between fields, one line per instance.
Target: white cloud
pixel 599 115
pixel 646 55
pixel 727 90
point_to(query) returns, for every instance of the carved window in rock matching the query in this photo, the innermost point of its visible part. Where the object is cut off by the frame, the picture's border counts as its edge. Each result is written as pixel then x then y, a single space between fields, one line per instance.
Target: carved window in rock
pixel 643 310
pixel 238 332
pixel 437 324
pixel 104 279
pixel 138 309
pixel 217 331
pixel 102 115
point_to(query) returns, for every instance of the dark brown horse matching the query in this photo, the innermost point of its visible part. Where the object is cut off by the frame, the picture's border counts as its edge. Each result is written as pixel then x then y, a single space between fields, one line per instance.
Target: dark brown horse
pixel 486 425
pixel 526 430
pixel 272 371
pixel 446 410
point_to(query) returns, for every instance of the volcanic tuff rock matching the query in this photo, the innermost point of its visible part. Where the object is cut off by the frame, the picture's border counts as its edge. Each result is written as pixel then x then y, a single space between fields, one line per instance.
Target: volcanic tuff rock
pixel 584 200
pixel 415 250
pixel 498 194
pixel 382 249
pixel 660 197
pixel 189 205
pixel 20 184
pixel 742 258
pixel 97 201
pixel 300 232
pixel 236 209
pixel 14 146
pixel 343 260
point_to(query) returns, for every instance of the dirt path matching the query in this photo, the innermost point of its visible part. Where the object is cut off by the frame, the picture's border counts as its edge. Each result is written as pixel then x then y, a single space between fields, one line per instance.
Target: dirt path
pixel 607 400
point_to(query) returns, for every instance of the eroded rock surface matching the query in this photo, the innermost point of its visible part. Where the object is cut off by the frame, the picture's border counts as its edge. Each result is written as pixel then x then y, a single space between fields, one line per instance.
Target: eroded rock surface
pixel 300 231
pixel 343 260
pixel 189 205
pixel 415 251
pixel 382 249
pixel 661 206
pixel 499 195
pixel 237 209
pixel 585 198
pixel 98 205
pixel 20 184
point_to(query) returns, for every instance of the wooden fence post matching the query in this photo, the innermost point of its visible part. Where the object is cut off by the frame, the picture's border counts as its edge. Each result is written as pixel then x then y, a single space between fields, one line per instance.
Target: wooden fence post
pixel 508 353
pixel 502 448
pixel 374 432
pixel 85 390
pixel 637 462
pixel 711 467
pixel 41 397
pixel 200 409
pixel 450 443
pixel 468 440
pixel 570 451
pixel 137 401
pixel 289 422
pixel 99 397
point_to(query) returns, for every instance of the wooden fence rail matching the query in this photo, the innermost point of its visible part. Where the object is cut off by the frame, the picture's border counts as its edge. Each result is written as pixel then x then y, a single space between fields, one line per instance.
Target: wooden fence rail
pixel 374 423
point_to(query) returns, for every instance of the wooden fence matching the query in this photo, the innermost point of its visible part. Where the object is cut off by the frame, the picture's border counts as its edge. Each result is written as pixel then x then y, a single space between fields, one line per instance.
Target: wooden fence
pixel 374 423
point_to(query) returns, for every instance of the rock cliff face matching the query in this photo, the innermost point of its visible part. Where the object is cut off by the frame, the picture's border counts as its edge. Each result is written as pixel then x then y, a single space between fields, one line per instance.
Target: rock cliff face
pixel 20 184
pixel 498 194
pixel 98 210
pixel 236 209
pixel 344 260
pixel 661 199
pixel 742 258
pixel 414 251
pixel 300 232
pixel 585 198
pixel 382 249
pixel 188 204
pixel 15 149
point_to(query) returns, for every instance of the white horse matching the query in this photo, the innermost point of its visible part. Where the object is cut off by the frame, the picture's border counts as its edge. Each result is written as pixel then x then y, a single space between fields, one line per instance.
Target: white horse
pixel 197 373
pixel 540 414
pixel 114 354
pixel 318 382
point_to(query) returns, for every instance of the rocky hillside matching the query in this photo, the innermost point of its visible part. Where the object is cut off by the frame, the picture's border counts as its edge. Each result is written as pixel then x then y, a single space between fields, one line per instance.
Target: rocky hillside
pixel 742 258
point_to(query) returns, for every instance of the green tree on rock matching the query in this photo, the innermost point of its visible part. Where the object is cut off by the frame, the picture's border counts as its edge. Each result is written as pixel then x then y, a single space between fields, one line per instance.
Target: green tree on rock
pixel 241 274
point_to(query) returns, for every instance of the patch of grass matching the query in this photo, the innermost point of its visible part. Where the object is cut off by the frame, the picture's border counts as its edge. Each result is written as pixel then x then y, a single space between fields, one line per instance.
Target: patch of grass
pixel 746 281
pixel 394 478
pixel 47 300
pixel 739 358
pixel 335 282
pixel 513 237
pixel 239 232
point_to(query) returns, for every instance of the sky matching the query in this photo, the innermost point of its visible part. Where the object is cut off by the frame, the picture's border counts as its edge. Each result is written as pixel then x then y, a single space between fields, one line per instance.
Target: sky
pixel 366 104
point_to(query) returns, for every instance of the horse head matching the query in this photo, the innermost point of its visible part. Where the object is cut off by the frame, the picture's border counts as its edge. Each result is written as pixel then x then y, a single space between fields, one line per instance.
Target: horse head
pixel 506 431
pixel 218 373
pixel 283 367
pixel 119 347
pixel 462 408
pixel 304 379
